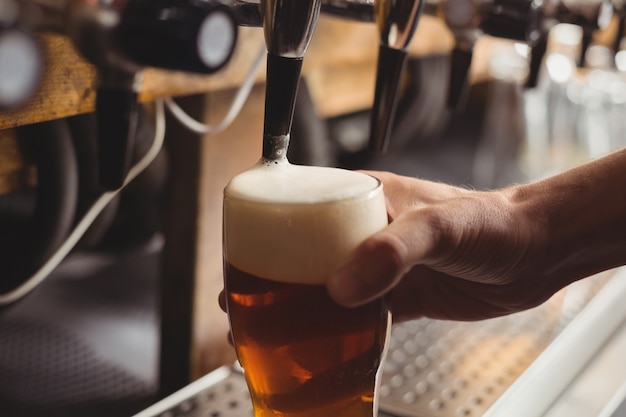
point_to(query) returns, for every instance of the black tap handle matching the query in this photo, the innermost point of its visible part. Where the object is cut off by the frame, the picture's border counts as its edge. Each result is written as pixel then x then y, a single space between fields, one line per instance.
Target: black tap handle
pixel 283 76
pixel 116 112
pixel 585 43
pixel 617 42
pixel 513 19
pixel 391 64
pixel 537 52
pixel 460 63
pixel 194 36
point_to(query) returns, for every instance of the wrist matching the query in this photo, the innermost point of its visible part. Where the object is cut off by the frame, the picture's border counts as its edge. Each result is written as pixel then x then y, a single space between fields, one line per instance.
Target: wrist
pixel 578 219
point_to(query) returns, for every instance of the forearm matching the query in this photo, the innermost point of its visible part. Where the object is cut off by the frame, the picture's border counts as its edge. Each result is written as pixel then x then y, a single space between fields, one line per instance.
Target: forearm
pixel 579 217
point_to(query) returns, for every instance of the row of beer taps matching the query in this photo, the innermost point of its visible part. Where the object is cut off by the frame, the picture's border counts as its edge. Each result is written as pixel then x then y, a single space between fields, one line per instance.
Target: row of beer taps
pixel 121 37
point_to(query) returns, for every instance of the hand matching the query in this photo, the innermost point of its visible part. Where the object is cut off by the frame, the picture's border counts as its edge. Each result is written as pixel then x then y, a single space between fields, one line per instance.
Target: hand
pixel 448 253
pixel 453 253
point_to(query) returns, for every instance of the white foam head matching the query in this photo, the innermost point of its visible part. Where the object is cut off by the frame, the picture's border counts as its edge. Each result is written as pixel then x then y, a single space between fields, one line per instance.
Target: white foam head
pixel 295 223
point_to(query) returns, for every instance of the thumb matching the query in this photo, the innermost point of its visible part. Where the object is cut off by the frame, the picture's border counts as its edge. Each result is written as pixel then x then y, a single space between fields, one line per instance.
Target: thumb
pixel 380 262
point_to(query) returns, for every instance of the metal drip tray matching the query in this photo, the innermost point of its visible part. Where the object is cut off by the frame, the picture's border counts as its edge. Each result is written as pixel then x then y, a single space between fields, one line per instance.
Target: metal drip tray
pixel 510 366
pixel 459 369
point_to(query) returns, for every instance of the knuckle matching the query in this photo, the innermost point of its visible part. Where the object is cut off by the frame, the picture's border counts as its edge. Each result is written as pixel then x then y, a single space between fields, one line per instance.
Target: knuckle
pixel 389 248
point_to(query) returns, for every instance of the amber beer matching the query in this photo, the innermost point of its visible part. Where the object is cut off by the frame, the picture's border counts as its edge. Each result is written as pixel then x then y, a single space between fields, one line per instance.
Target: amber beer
pixel 285 228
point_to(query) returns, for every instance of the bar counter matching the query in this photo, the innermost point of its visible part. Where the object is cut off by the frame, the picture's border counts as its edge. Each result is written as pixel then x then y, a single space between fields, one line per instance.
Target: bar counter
pixel 563 358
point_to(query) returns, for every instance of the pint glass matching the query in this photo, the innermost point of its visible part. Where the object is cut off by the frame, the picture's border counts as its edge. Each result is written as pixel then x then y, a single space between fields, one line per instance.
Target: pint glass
pixel 285 228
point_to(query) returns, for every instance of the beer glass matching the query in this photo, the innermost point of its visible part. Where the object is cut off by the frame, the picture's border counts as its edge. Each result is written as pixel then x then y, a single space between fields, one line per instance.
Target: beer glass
pixel 285 228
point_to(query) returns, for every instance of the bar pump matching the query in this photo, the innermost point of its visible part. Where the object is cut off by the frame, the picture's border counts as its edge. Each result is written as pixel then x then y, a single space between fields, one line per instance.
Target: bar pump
pixel 589 15
pixel 288 26
pixel 527 21
pixel 397 21
pixel 469 19
pixel 288 29
pixel 92 29
pixel 122 37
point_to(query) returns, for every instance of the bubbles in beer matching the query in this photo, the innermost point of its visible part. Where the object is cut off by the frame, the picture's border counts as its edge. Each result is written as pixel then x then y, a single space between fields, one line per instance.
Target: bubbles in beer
pixel 282 182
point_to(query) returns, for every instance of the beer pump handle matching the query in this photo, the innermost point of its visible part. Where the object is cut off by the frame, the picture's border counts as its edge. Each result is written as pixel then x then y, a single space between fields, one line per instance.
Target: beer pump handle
pixel 397 21
pixel 520 20
pixel 92 28
pixel 121 38
pixel 197 36
pixel 460 64
pixel 537 52
pixel 590 16
pixel 116 118
pixel 619 33
pixel 391 65
pixel 288 26
pixel 463 19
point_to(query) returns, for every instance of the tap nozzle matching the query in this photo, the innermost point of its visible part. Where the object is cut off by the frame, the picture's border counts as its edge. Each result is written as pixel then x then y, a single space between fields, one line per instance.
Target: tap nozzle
pixel 520 20
pixel 590 15
pixel 288 26
pixel 397 21
pixel 460 64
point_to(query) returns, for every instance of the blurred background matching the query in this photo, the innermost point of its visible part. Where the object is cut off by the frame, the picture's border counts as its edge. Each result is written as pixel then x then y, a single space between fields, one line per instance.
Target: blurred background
pixel 109 286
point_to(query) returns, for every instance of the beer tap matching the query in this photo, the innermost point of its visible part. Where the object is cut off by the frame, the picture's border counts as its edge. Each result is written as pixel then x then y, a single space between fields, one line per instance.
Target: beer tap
pixel 121 38
pixel 191 36
pixel 619 7
pixel 397 21
pixel 590 15
pixel 92 29
pixel 469 19
pixel 248 12
pixel 527 21
pixel 288 26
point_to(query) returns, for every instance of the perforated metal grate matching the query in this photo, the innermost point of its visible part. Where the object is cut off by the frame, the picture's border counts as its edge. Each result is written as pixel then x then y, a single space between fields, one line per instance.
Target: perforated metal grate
pixel 433 368
pixel 222 393
pixel 54 373
pixel 438 368
pixel 455 369
pixel 83 344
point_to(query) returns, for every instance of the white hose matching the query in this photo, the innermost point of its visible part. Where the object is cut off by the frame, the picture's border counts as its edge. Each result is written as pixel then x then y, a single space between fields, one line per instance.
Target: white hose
pixel 240 99
pixel 90 216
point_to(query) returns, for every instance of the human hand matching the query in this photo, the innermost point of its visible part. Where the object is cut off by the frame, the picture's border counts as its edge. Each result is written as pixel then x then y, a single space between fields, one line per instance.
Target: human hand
pixel 448 253
pixel 453 253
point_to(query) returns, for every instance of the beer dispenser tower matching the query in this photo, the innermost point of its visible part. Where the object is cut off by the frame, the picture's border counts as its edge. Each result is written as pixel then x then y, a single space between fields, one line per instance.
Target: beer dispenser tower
pixel 288 26
pixel 527 21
